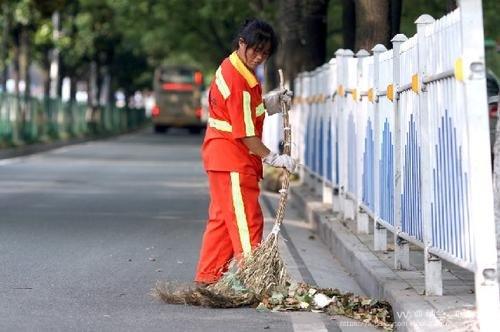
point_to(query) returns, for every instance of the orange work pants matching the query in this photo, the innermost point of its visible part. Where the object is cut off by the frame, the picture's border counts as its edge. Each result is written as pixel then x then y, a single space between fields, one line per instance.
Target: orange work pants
pixel 235 223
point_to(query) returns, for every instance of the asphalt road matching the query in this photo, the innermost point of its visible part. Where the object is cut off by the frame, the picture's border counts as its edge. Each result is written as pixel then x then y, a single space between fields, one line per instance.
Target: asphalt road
pixel 87 230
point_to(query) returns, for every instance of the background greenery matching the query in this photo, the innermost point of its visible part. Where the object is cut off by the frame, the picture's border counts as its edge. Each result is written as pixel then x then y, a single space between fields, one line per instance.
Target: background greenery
pixel 127 39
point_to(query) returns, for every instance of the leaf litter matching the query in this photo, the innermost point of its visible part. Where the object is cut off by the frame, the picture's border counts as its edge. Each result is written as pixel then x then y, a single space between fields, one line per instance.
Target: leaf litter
pixel 261 281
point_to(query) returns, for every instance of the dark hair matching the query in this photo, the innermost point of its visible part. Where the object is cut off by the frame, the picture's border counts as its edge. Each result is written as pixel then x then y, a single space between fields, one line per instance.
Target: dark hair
pixel 257 33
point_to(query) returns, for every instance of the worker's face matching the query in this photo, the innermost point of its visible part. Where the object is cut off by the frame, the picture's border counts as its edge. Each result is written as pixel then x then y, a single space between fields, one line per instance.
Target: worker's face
pixel 253 56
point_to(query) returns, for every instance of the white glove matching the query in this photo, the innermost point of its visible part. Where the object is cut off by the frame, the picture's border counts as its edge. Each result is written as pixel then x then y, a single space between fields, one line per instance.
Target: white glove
pixel 273 99
pixel 280 160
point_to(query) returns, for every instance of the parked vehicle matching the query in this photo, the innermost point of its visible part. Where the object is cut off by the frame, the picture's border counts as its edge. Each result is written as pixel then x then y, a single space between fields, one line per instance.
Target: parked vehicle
pixel 177 91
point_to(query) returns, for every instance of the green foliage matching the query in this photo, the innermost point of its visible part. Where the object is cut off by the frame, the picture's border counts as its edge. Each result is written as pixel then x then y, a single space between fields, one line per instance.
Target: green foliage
pixel 133 37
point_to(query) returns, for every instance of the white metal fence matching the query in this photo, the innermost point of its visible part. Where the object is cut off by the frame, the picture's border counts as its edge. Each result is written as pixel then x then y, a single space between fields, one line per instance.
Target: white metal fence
pixel 400 139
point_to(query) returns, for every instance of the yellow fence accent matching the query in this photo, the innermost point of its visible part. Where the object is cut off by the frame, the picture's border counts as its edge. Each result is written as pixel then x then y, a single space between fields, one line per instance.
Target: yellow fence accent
pixel 371 95
pixel 340 91
pixel 459 69
pixel 390 92
pixel 354 94
pixel 415 83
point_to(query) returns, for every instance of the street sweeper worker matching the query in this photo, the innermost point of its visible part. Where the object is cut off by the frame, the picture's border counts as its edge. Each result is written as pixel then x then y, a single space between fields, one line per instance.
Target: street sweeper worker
pixel 233 151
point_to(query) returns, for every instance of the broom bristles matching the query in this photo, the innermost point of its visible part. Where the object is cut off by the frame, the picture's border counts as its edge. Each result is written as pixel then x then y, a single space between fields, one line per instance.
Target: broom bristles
pixel 264 270
pixel 257 276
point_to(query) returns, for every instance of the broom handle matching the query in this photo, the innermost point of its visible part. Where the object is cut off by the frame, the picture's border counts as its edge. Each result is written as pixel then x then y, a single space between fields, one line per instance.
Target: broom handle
pixel 285 183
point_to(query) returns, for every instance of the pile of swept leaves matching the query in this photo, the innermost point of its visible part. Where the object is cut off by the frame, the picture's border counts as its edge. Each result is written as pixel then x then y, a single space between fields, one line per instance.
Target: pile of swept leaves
pixel 292 297
pixel 303 297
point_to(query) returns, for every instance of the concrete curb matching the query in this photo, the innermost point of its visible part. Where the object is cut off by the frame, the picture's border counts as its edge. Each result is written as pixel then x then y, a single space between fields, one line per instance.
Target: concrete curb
pixel 25 150
pixel 411 311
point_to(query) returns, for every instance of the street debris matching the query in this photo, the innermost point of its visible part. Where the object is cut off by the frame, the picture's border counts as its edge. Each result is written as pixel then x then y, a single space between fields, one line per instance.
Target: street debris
pixel 273 291
pixel 293 297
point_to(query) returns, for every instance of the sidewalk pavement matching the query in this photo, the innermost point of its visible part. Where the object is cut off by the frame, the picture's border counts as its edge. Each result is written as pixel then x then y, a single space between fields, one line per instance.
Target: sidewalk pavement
pixel 374 271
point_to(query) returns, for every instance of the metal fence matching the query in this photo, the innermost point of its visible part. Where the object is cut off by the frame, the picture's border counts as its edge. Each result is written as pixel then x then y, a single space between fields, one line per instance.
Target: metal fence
pixel 28 120
pixel 399 139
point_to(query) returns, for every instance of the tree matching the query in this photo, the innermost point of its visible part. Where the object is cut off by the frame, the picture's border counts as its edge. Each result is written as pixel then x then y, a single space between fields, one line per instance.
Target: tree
pixel 302 25
pixel 348 24
pixel 372 26
pixel 395 8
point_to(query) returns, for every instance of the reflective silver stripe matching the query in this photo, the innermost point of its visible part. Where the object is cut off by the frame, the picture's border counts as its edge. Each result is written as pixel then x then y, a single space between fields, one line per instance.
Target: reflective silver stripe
pixel 221 84
pixel 239 211
pixel 260 110
pixel 247 114
pixel 220 125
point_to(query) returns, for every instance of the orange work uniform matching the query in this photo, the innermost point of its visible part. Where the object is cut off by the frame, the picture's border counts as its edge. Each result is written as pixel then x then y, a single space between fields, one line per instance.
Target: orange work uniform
pixel 235 221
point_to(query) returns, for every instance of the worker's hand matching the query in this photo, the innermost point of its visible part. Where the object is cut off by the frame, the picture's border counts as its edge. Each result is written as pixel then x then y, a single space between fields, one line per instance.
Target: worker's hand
pixel 280 160
pixel 273 100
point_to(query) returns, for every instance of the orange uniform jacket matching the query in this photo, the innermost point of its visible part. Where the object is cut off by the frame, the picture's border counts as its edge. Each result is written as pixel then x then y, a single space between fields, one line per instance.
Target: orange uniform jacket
pixel 236 111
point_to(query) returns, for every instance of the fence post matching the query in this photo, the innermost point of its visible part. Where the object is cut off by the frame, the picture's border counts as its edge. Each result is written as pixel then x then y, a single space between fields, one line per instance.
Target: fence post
pixel 306 109
pixel 316 106
pixel 326 118
pixel 361 216
pixel 347 204
pixel 379 232
pixel 310 131
pixel 432 264
pixel 401 246
pixel 480 198
pixel 337 158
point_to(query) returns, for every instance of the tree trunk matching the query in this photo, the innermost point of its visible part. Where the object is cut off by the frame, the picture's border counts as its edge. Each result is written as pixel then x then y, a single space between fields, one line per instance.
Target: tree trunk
pixel 54 65
pixel 395 16
pixel 372 24
pixel 271 74
pixel 104 86
pixel 72 90
pixel 5 39
pixel 303 32
pixel 92 93
pixel 46 74
pixel 348 24
pixel 99 80
pixel 24 61
pixel 451 5
pixel 16 72
pixel 111 94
